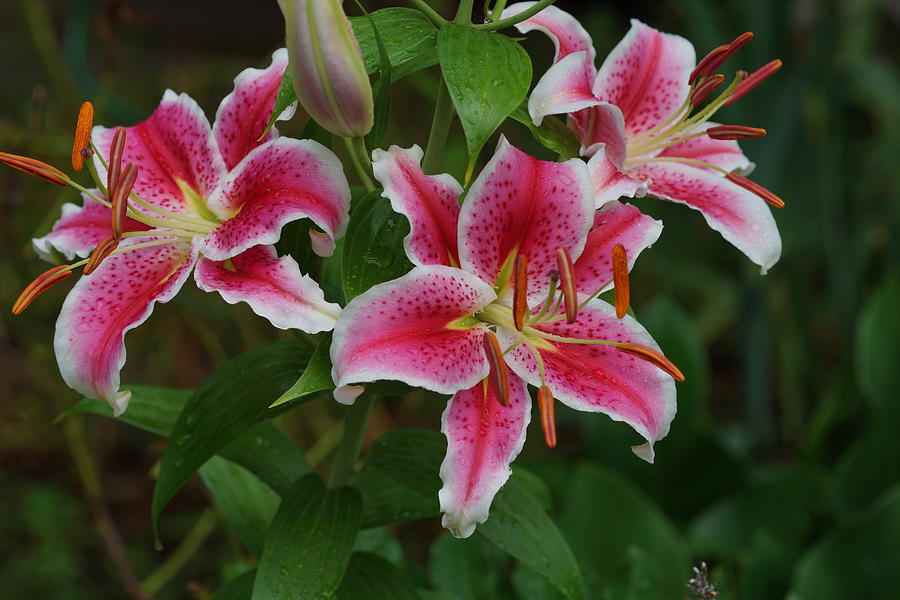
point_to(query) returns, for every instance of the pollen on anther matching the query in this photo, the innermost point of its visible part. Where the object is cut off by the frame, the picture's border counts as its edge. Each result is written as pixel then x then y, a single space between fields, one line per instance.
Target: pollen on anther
pixel 654 357
pixel 41 284
pixel 567 281
pixel 620 280
pixel 82 135
pixel 548 416
pixel 499 374
pixel 520 291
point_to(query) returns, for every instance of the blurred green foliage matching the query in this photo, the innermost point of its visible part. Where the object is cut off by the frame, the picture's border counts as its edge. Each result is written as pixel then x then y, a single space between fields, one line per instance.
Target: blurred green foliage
pixel 782 468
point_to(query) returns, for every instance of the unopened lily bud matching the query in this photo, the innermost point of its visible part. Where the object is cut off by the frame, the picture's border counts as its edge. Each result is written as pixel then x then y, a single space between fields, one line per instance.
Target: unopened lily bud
pixel 327 67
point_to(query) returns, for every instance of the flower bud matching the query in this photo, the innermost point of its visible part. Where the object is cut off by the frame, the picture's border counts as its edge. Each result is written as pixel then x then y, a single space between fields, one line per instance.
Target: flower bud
pixel 327 67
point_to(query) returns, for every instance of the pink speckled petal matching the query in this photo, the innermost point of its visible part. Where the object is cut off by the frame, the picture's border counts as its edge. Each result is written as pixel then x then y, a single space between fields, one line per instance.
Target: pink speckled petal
pixel 244 113
pixel 519 204
pixel 483 438
pixel 602 126
pixel 566 32
pixel 174 144
pixel 599 378
pixel 79 229
pixel 610 183
pixel 417 329
pixel 564 88
pixel 281 181
pixel 273 287
pixel 428 201
pixel 742 217
pixel 615 223
pixel 646 76
pixel 103 306
pixel 725 154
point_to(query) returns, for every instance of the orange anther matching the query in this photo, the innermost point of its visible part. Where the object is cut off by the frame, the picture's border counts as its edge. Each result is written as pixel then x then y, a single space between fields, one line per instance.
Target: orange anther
pixel 706 88
pixel 119 197
pixel 757 189
pixel 34 168
pixel 82 134
pixel 620 280
pixel 548 416
pixel 499 374
pixel 753 80
pixel 735 132
pixel 718 56
pixel 106 247
pixel 567 282
pixel 116 150
pixel 652 356
pixel 520 291
pixel 41 284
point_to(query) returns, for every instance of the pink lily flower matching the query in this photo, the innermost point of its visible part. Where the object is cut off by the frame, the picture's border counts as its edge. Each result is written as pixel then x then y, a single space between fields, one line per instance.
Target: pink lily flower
pixel 478 316
pixel 641 120
pixel 206 199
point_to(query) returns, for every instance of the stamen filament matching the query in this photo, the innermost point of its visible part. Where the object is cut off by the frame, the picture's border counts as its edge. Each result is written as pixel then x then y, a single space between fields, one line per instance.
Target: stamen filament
pixel 554 281
pixel 677 159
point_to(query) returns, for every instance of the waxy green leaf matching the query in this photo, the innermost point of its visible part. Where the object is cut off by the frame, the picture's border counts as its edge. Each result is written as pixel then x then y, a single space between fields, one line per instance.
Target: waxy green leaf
pixel 285 97
pixel 232 400
pixel 519 524
pixel 551 133
pixel 409 40
pixel 373 250
pixel 370 577
pixel 310 542
pixel 238 588
pixel 399 481
pixel 487 75
pixel 316 377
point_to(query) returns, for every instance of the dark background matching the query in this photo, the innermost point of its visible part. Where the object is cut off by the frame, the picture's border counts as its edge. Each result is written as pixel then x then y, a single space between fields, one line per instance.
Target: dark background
pixel 782 466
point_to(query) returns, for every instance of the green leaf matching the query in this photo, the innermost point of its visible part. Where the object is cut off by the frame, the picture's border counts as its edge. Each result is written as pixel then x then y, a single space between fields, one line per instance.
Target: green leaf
pixel 152 409
pixel 370 577
pixel 859 560
pixel 316 377
pixel 233 399
pixel 877 349
pixel 466 569
pixel 552 133
pixel 373 251
pixel 409 39
pixel 519 524
pixel 247 503
pixel 487 75
pixel 399 481
pixel 604 516
pixel 285 97
pixel 867 468
pixel 381 92
pixel 238 588
pixel 310 542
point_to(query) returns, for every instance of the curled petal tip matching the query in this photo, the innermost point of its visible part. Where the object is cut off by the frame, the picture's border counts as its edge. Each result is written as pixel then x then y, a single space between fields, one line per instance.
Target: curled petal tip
pixel 645 452
pixel 347 394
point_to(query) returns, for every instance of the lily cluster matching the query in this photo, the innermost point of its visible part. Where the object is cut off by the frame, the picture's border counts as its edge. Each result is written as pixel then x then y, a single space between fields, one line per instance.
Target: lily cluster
pixel 505 289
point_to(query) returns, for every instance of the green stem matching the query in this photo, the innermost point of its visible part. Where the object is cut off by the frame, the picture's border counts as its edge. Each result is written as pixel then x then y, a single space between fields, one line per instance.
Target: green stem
pixel 432 14
pixel 510 21
pixel 464 12
pixel 356 148
pixel 204 526
pixel 440 129
pixel 354 429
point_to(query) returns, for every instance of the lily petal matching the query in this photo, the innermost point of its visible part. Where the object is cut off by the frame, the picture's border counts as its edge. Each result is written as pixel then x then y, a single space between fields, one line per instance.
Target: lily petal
pixel 79 229
pixel 566 32
pixel 273 287
pixel 281 181
pixel 602 126
pixel 725 154
pixel 564 88
pixel 428 201
pixel 610 183
pixel 646 76
pixel 244 113
pixel 483 438
pixel 519 204
pixel 615 223
pixel 174 145
pixel 418 329
pixel 102 307
pixel 599 378
pixel 739 215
